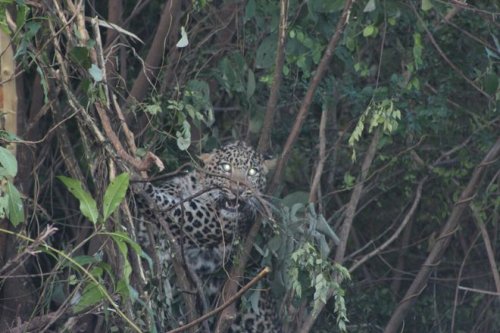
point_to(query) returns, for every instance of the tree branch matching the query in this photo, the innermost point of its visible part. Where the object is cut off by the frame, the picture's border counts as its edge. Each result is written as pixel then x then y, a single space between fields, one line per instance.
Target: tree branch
pixel 442 242
pixel 306 102
pixel 445 58
pixel 156 52
pixel 227 303
pixel 395 235
pixel 278 73
pixel 346 225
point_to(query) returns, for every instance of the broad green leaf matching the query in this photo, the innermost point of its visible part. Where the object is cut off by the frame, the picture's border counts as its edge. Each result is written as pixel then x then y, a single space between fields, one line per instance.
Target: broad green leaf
pixel 184 136
pixel 490 83
pixel 22 14
pixel 266 51
pixel 121 243
pixel 417 50
pixel 426 5
pixel 125 238
pixel 322 6
pixel 370 31
pixel 153 109
pixel 8 160
pixel 88 206
pixel 250 83
pixel 81 55
pixel 91 295
pixel 84 260
pixel 114 194
pixel 301 197
pixel 183 42
pixel 96 73
pixel 250 10
pixel 15 205
pixel 370 6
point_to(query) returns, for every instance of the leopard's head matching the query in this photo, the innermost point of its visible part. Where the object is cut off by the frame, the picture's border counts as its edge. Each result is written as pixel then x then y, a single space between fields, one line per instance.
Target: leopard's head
pixel 239 172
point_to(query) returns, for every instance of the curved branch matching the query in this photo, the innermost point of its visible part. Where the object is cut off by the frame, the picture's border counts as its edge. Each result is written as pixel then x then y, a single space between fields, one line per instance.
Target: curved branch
pixel 395 235
pixel 230 301
pixel 306 102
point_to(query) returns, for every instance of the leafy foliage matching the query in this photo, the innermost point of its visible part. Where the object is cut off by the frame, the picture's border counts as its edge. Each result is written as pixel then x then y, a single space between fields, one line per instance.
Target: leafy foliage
pixel 423 73
pixel 11 205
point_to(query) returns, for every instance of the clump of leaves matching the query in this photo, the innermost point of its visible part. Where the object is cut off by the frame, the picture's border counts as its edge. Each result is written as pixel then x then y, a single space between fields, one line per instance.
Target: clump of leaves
pixel 324 277
pixel 377 114
pixel 11 205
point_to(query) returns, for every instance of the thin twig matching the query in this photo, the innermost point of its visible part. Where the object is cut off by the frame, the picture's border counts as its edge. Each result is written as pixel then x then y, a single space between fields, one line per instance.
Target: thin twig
pixel 227 303
pixel 443 55
pixel 395 235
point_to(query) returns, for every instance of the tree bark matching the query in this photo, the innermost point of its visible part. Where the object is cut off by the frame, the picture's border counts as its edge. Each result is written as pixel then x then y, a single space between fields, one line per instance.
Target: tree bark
pixel 156 52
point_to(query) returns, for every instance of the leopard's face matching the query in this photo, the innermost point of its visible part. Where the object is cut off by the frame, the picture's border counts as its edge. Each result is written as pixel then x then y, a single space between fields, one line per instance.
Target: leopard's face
pixel 239 172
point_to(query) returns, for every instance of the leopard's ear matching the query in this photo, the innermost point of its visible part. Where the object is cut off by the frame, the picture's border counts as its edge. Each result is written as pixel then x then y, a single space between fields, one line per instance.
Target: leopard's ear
pixel 269 165
pixel 207 157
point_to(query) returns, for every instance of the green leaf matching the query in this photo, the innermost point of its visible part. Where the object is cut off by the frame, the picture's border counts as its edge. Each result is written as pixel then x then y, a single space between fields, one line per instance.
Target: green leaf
pixel 88 206
pixel 250 83
pixel 426 5
pixel 15 205
pixel 81 55
pixel 96 73
pixel 370 31
pixel 183 42
pixel 22 14
pixel 8 161
pixel 417 50
pixel 153 109
pixel 370 6
pixel 84 260
pixel 301 197
pixel 184 136
pixel 250 10
pixel 114 194
pixel 490 83
pixel 91 295
pixel 266 51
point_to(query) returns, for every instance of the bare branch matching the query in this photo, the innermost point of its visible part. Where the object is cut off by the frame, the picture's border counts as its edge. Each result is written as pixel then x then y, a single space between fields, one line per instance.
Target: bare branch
pixel 306 102
pixel 442 242
pixel 156 52
pixel 395 235
pixel 231 286
pixel 278 71
pixel 227 303
pixel 489 248
pixel 321 158
pixel 445 58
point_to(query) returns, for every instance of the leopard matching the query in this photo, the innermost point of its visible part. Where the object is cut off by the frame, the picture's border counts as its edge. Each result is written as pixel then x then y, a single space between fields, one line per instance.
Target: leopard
pixel 208 210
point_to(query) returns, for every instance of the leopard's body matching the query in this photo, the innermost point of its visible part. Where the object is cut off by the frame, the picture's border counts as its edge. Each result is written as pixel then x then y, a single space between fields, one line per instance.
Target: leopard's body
pixel 207 211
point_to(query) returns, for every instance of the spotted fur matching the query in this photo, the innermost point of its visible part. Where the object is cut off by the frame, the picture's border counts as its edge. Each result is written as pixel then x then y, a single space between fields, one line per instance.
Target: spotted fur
pixel 207 210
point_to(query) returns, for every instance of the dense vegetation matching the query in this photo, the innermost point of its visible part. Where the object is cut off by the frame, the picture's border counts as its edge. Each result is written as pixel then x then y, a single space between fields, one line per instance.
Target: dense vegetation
pixel 383 117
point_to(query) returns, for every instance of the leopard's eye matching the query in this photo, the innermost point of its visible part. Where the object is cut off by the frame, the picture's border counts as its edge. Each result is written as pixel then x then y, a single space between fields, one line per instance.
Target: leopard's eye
pixel 226 167
pixel 252 172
